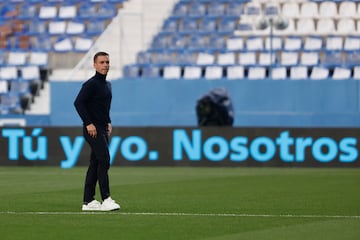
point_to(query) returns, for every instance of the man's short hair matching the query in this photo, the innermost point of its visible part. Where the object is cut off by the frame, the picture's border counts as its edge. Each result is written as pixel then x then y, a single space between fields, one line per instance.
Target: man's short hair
pixel 100 54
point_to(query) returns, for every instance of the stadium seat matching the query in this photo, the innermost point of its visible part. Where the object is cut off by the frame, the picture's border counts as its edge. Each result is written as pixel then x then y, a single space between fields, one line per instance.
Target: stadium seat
pixel 37 27
pixel 346 26
pixel 305 26
pixel 197 9
pixel 328 9
pixel 289 58
pixel 347 9
pixel 333 58
pixel 254 43
pixel 293 43
pixel 235 43
pixel 163 57
pixel 171 25
pixel 278 73
pixel 356 74
pixel 309 10
pixel 205 58
pixel 192 72
pixel 252 9
pixel 8 73
pixel 131 71
pixel 334 42
pixel 217 41
pixel 213 72
pixel 267 58
pixel 178 41
pixel 87 10
pixel 273 43
pixel 325 26
pixel 83 43
pixel 256 73
pixel 226 58
pixel 208 24
pixel 150 71
pixel 22 42
pixel 235 72
pixel 106 11
pixel 227 25
pixel 216 8
pixel 4 88
pixel 313 43
pixel 17 58
pixel 352 43
pixel 309 58
pixel 319 73
pixel 235 8
pixel 95 28
pixel 352 58
pixel 57 27
pixel 199 42
pixel 291 9
pixel 27 11
pixel 42 42
pixel 180 9
pixel 48 11
pixel 75 27
pixel 63 44
pixel 185 57
pixel 38 58
pixel 247 58
pixel 188 24
pixel 298 72
pixel 67 11
pixel 341 73
pixel 172 72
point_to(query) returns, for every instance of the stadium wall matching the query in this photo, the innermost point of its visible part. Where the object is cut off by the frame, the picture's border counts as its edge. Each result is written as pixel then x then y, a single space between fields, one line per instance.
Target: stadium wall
pixel 257 103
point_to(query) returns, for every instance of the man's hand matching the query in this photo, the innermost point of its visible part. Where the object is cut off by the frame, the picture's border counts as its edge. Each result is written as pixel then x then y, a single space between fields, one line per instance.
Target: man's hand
pixel 109 129
pixel 91 129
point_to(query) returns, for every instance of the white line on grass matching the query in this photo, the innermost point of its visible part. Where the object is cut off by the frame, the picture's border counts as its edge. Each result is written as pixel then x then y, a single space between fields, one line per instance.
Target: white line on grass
pixel 185 214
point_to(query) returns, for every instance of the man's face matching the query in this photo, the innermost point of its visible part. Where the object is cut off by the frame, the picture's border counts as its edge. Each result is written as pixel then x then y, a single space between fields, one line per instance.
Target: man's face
pixel 102 64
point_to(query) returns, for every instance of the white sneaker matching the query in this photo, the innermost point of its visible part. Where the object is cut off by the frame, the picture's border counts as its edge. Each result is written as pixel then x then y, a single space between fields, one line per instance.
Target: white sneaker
pixel 92 206
pixel 109 205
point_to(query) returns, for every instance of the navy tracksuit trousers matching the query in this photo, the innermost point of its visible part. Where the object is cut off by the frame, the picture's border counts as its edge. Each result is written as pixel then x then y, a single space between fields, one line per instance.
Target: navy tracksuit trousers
pixel 99 165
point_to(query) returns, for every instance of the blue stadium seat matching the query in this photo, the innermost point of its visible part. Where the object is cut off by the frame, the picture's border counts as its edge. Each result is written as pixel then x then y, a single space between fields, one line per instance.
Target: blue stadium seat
pixel 171 25
pixel 150 71
pixel 216 9
pixel 227 25
pixel 95 27
pixel 179 41
pixel 161 40
pixel 208 24
pixel 197 9
pixel 87 10
pixel 333 58
pixel 131 71
pixel 199 41
pixel 144 57
pixel 106 11
pixel 188 25
pixel 180 9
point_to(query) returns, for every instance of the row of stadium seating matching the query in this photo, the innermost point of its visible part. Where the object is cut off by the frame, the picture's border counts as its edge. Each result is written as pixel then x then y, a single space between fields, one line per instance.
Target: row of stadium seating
pixel 248 58
pixel 236 72
pixel 324 34
pixel 291 9
pixel 32 30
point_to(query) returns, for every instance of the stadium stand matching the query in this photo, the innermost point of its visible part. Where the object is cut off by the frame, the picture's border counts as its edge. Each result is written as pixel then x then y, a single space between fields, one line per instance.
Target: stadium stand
pixel 227 34
pixel 34 32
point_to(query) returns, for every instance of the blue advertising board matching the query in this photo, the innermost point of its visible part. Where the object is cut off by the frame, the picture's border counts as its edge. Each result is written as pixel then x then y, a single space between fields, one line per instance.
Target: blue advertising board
pixel 171 146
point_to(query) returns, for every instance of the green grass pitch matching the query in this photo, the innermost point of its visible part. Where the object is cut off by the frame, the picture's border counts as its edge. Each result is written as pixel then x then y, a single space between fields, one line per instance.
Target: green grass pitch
pixel 183 203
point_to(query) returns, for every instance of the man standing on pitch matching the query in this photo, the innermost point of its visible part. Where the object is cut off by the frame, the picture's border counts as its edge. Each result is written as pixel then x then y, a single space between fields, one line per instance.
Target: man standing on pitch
pixel 93 106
